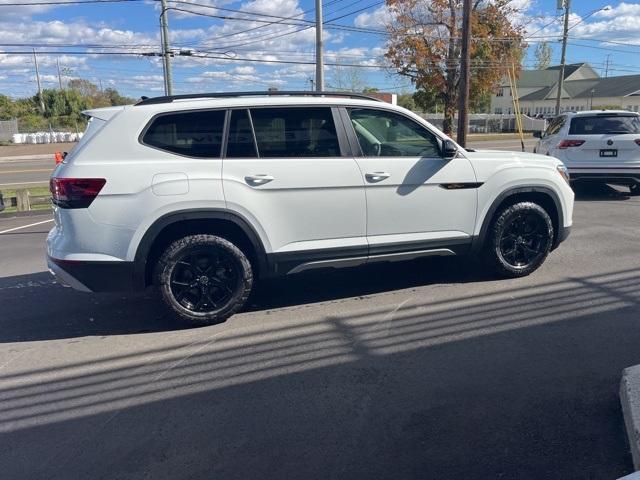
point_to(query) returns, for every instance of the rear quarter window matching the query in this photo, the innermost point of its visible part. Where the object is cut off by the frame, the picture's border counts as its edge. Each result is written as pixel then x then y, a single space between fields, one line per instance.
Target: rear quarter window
pixel 192 134
pixel 604 124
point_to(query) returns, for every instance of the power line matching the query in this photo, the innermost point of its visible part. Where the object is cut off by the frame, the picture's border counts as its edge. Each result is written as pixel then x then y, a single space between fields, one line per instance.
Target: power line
pixel 69 2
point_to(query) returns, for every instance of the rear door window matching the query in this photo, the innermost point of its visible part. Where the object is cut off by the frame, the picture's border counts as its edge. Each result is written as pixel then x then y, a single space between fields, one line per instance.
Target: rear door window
pixel 605 124
pixel 290 132
pixel 241 142
pixel 192 134
pixel 555 125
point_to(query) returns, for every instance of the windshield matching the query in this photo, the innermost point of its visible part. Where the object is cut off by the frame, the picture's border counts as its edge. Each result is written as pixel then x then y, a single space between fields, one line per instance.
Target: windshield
pixel 604 124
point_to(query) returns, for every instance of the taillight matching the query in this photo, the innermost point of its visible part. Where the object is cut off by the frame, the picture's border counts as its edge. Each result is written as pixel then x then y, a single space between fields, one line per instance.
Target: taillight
pixel 564 144
pixel 75 192
pixel 637 141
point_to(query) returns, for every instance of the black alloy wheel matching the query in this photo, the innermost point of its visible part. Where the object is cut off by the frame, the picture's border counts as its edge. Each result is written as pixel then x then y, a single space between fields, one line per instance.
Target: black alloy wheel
pixel 524 239
pixel 204 279
pixel 520 239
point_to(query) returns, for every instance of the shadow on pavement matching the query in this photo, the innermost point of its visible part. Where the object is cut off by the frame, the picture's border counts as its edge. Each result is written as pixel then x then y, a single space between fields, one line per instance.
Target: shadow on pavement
pixel 586 191
pixel 37 308
pixel 517 384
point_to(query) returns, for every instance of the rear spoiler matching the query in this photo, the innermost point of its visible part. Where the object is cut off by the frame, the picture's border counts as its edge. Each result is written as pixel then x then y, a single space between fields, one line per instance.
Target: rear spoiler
pixel 103 113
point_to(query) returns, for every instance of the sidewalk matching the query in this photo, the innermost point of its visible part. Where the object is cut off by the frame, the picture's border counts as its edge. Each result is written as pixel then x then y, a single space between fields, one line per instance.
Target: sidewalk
pixel 33 150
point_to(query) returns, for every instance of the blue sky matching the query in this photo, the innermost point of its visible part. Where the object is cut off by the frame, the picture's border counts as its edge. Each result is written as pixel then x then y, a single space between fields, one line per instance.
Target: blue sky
pixel 237 49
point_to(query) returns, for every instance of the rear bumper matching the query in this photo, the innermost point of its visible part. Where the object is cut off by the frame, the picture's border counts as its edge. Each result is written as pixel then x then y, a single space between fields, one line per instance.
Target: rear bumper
pixel 91 276
pixel 624 175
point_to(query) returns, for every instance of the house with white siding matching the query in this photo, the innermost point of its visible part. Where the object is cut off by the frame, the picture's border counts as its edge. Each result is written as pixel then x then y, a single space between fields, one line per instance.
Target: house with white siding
pixel 582 89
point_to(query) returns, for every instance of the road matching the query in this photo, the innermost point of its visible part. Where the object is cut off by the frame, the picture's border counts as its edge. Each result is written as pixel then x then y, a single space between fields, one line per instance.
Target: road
pixel 25 172
pixel 427 369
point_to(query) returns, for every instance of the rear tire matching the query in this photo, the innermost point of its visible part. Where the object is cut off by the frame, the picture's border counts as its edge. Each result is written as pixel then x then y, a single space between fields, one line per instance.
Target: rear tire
pixel 204 279
pixel 520 238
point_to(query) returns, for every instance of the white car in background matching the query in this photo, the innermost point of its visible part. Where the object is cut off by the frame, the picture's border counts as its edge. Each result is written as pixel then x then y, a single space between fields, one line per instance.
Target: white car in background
pixel 599 145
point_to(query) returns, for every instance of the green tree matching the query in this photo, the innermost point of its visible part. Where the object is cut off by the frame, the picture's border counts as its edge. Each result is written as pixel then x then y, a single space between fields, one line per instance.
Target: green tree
pixel 405 100
pixel 424 45
pixel 543 54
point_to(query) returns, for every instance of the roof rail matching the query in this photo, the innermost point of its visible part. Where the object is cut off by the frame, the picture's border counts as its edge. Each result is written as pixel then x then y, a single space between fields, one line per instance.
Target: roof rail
pixel 277 93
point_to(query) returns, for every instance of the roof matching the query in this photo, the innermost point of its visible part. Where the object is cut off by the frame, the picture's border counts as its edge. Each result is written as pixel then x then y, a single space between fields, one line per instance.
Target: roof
pixel 601 87
pixel 546 77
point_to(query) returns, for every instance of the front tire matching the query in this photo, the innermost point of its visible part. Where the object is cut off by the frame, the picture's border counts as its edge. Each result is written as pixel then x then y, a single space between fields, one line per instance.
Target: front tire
pixel 520 239
pixel 204 279
pixel 634 189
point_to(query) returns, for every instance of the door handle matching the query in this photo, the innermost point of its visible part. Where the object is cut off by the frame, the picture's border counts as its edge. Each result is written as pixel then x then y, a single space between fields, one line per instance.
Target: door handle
pixel 376 176
pixel 258 179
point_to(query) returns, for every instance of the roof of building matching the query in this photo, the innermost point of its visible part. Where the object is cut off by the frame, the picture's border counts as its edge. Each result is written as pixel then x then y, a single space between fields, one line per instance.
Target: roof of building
pixel 547 77
pixel 597 87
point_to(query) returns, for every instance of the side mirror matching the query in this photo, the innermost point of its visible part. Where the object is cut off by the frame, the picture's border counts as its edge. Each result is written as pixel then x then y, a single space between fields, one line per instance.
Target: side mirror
pixel 537 134
pixel 449 149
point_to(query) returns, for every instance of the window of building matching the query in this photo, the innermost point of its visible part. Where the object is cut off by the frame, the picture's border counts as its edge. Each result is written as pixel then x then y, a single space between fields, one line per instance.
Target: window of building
pixel 193 134
pixel 500 92
pixel 286 132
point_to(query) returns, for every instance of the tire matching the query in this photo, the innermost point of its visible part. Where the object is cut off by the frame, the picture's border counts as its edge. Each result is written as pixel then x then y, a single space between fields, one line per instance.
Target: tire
pixel 634 189
pixel 520 238
pixel 204 279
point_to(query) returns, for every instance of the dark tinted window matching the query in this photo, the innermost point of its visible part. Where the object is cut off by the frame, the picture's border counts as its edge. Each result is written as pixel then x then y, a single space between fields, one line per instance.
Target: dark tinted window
pixel 194 134
pixel 603 124
pixel 295 132
pixel 387 134
pixel 241 144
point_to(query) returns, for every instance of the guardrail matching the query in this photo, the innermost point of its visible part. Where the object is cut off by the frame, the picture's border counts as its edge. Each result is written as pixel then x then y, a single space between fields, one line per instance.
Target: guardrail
pixel 23 201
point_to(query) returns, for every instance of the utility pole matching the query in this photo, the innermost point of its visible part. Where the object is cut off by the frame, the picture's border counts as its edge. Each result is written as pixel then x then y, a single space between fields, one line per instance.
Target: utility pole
pixel 565 35
pixel 35 61
pixel 465 75
pixel 168 81
pixel 59 76
pixel 606 67
pixel 319 61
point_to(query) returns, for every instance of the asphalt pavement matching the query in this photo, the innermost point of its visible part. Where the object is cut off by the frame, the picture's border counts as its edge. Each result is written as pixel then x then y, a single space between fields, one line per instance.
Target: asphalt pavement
pixel 428 369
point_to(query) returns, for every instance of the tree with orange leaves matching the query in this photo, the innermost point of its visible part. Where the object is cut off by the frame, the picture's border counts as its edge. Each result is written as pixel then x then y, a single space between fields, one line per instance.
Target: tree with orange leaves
pixel 425 44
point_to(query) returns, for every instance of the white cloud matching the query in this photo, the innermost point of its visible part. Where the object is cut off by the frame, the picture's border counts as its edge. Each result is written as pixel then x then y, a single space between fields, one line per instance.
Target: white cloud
pixel 377 19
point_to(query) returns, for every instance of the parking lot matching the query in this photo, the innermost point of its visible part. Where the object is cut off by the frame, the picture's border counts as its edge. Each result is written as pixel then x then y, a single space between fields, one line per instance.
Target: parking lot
pixel 425 369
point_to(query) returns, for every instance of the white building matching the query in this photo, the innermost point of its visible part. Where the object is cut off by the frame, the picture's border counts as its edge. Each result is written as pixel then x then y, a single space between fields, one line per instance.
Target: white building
pixel 582 89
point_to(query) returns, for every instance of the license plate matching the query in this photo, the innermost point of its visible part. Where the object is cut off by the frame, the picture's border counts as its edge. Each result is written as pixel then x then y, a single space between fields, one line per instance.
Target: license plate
pixel 610 152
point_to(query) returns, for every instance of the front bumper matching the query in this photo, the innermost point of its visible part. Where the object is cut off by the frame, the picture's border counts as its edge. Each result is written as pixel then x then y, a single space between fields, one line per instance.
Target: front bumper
pixel 93 276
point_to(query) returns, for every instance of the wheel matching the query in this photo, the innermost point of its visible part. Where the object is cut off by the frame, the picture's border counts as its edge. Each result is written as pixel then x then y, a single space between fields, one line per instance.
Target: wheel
pixel 519 240
pixel 634 189
pixel 204 279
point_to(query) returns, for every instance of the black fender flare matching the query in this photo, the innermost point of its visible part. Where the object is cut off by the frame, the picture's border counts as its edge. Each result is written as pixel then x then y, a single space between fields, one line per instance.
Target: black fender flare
pixel 150 236
pixel 479 239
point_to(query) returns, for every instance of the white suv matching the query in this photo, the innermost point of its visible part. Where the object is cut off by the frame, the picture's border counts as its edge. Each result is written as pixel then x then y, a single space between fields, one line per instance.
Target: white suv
pixel 203 194
pixel 599 145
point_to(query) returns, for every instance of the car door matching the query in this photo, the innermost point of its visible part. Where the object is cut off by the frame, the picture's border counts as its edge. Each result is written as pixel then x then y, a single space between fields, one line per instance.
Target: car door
pixel 415 198
pixel 287 171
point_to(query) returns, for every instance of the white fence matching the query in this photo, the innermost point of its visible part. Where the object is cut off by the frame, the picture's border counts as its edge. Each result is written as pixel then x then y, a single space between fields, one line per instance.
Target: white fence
pixel 491 123
pixel 46 137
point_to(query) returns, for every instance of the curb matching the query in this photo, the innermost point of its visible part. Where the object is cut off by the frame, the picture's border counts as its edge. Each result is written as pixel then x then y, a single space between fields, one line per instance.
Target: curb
pixel 630 400
pixel 30 213
pixel 38 156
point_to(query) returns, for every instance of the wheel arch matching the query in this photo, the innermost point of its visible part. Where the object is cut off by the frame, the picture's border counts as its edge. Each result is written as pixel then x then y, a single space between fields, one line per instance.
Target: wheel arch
pixel 546 197
pixel 174 225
